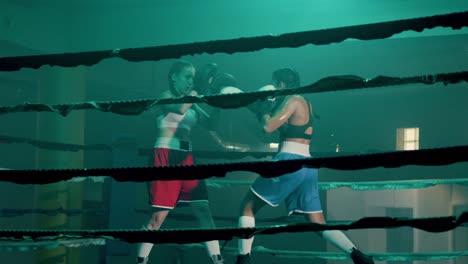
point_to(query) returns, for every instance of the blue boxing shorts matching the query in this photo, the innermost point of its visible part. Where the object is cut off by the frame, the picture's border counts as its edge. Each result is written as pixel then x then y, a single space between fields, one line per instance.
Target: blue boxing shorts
pixel 298 189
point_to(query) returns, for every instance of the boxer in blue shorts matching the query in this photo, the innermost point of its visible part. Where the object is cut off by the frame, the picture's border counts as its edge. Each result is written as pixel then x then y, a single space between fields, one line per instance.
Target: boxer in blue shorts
pixel 292 116
pixel 298 189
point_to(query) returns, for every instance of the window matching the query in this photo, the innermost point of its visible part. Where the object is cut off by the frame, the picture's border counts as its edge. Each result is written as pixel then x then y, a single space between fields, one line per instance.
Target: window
pixel 407 138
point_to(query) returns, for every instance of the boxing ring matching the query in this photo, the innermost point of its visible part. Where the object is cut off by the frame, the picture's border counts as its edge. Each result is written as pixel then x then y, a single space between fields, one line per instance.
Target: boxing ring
pixel 31 239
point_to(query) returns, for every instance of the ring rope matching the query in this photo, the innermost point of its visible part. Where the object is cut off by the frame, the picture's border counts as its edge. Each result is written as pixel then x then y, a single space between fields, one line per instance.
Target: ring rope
pixel 267 169
pixel 328 84
pixel 184 236
pixel 291 40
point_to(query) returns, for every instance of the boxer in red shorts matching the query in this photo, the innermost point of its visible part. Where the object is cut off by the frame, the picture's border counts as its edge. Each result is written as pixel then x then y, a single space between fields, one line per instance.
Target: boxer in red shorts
pixel 173 147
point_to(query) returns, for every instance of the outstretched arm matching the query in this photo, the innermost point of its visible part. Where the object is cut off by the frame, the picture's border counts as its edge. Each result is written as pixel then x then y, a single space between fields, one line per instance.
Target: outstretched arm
pixel 202 114
pixel 228 146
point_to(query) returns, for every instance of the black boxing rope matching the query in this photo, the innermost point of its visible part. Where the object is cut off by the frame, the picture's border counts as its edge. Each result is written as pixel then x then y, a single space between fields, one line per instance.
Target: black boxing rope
pixel 328 84
pixel 291 40
pixel 359 186
pixel 267 169
pixel 184 236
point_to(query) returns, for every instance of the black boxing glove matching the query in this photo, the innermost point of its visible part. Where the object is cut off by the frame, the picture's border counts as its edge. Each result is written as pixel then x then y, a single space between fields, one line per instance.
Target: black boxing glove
pixel 261 107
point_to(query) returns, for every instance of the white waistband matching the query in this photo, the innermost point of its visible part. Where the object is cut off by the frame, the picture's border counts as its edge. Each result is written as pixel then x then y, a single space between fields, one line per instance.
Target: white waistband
pixel 173 143
pixel 295 148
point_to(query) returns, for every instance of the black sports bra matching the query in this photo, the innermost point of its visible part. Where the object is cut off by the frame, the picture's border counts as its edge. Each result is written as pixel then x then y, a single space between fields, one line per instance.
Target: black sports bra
pixel 297 131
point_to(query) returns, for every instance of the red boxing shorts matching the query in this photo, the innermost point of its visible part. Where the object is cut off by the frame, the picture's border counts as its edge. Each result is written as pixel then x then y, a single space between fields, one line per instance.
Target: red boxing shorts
pixel 166 194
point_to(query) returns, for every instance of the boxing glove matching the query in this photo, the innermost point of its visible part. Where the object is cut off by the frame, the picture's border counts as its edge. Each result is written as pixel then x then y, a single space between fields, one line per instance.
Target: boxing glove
pixel 263 106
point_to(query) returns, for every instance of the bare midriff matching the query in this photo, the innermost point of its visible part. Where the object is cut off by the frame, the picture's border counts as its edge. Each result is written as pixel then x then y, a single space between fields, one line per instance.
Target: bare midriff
pixel 169 132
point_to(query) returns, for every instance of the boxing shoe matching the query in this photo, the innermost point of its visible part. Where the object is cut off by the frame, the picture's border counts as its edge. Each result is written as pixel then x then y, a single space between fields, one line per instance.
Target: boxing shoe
pixel 360 258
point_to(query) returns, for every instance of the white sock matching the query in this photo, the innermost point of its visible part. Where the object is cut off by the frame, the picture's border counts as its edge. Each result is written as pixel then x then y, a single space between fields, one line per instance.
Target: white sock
pixel 245 245
pixel 144 250
pixel 339 240
pixel 212 247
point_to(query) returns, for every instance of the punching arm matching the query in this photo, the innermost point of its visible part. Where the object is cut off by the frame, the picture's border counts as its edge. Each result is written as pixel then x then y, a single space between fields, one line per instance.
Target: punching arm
pixel 281 115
